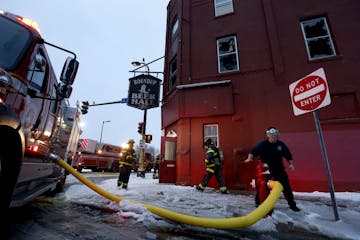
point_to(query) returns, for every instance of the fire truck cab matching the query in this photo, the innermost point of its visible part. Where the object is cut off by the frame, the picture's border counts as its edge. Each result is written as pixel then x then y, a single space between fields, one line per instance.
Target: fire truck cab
pixel 30 96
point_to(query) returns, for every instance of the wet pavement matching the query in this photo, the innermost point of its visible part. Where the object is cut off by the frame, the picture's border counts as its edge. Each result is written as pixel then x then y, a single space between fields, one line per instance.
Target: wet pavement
pixel 57 218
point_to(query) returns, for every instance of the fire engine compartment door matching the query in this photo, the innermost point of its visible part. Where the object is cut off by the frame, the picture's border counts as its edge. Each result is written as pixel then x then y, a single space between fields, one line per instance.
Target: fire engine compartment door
pixel 167 173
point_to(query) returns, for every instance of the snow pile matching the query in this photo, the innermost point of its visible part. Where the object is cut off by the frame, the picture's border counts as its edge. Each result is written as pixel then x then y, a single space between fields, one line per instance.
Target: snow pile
pixel 316 215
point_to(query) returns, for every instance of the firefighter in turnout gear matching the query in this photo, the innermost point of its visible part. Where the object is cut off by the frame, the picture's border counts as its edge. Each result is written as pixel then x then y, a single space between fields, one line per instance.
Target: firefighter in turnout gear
pixel 157 166
pixel 213 164
pixel 128 157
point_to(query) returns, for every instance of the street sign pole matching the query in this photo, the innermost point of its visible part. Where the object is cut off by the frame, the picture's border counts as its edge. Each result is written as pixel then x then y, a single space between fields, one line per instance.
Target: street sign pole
pixel 326 160
pixel 307 95
pixel 142 149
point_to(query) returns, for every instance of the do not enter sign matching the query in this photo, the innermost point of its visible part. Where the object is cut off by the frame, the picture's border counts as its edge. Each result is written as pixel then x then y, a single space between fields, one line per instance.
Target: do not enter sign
pixel 310 93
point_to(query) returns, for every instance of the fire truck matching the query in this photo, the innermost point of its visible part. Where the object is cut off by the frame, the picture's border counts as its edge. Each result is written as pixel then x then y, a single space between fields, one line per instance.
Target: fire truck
pixel 30 99
pixel 97 156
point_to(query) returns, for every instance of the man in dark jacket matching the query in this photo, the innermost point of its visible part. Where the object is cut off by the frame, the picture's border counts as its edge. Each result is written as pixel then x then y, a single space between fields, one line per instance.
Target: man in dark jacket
pixel 272 151
pixel 213 167
pixel 128 157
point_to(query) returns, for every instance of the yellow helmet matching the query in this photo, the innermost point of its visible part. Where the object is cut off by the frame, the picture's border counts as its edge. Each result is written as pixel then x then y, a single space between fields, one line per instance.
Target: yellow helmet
pixel 131 141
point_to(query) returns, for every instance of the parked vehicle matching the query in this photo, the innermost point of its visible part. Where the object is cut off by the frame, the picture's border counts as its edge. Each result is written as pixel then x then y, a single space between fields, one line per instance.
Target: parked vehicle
pixel 30 96
pixel 97 157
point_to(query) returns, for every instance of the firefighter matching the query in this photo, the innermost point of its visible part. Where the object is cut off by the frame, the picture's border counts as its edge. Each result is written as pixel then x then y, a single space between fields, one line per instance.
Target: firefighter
pixel 128 157
pixel 213 164
pixel 157 165
pixel 272 151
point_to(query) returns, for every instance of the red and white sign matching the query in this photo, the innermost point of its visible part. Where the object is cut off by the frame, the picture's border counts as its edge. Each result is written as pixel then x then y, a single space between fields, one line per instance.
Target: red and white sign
pixel 310 93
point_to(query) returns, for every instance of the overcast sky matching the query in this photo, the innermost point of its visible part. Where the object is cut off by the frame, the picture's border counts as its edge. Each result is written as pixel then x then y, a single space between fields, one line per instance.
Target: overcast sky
pixel 106 36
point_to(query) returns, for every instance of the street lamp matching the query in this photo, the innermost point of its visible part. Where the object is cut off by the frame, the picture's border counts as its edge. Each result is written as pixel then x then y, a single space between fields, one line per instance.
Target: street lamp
pixel 138 64
pixel 102 128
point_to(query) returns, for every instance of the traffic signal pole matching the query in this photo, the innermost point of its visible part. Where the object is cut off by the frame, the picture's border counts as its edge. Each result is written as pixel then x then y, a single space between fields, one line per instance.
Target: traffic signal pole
pixel 142 148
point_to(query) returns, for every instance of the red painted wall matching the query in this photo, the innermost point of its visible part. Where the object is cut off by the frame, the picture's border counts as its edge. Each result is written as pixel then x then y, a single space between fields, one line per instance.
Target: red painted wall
pixel 272 55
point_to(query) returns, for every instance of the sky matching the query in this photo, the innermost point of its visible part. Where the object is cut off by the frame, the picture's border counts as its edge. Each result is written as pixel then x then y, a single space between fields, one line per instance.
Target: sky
pixel 315 218
pixel 106 39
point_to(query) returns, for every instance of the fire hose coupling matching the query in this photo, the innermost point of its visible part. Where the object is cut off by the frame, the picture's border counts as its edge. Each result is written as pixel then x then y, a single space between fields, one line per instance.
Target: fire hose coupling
pixel 54 157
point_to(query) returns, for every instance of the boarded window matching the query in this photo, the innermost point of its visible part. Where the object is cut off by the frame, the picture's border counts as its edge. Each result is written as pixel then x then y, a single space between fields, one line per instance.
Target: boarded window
pixel 343 107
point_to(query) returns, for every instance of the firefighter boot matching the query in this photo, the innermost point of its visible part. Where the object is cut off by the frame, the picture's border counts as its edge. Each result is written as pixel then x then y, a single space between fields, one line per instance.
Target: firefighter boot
pixel 119 183
pixel 224 190
pixel 200 188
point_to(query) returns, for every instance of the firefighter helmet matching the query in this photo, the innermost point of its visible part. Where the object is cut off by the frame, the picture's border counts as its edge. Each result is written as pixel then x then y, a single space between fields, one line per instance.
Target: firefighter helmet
pixel 271 131
pixel 131 141
pixel 208 142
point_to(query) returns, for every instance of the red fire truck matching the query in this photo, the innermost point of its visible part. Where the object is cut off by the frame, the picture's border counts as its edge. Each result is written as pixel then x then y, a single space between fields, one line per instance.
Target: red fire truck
pixel 30 96
pixel 97 157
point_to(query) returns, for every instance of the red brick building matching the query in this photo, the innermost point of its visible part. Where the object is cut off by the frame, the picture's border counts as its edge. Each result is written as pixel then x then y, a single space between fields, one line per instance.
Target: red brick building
pixel 228 66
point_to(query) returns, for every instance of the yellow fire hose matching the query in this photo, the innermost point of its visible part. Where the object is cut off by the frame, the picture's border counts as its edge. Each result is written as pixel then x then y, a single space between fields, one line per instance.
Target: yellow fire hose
pixel 218 223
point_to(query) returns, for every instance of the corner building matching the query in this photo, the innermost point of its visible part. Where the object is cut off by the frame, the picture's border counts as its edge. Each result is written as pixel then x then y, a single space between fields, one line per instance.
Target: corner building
pixel 228 67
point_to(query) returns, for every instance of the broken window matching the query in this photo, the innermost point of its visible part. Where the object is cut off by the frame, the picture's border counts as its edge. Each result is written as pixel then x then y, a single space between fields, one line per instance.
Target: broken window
pixel 317 38
pixel 227 54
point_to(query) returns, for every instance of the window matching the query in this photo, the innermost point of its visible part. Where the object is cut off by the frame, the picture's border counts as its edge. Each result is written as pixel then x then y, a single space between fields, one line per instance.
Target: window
pixel 172 73
pixel 170 150
pixel 227 54
pixel 14 40
pixel 37 71
pixel 175 30
pixel 211 131
pixel 53 104
pixel 223 7
pixel 317 38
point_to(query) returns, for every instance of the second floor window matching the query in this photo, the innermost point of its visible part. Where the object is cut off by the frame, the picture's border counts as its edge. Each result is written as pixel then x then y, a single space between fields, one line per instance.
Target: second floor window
pixel 227 54
pixel 172 74
pixel 223 7
pixel 317 38
pixel 175 30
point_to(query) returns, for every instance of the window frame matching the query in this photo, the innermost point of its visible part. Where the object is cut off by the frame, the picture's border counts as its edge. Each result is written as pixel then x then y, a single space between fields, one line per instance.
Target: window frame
pixel 308 39
pixel 214 137
pixel 223 4
pixel 37 76
pixel 175 30
pixel 237 67
pixel 172 74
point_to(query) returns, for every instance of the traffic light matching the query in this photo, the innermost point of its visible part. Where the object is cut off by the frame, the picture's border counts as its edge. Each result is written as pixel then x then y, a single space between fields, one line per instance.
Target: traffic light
pixel 140 127
pixel 84 107
pixel 148 138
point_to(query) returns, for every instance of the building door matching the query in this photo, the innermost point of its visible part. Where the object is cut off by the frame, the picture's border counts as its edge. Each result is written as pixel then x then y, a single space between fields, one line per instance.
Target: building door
pixel 167 173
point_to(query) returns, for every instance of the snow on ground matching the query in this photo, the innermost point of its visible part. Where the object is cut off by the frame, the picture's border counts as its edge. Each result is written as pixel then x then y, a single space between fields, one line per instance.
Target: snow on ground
pixel 316 215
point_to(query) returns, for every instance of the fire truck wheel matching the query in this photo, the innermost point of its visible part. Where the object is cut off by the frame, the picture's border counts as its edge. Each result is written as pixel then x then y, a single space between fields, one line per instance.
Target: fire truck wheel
pixel 115 167
pixel 10 160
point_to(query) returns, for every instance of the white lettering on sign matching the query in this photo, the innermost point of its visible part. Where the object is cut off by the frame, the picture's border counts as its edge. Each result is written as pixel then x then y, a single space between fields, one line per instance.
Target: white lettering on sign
pixel 309 93
pixel 142 96
pixel 141 101
pixel 311 100
pixel 145 81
